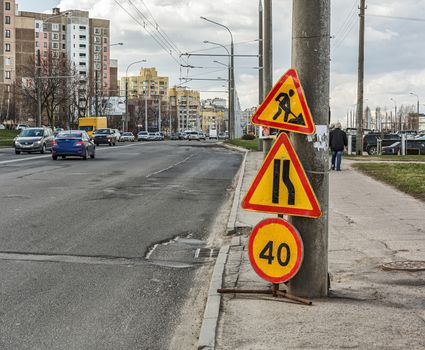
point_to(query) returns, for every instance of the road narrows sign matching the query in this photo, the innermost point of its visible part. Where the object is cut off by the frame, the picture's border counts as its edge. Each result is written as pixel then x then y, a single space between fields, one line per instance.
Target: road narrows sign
pixel 275 250
pixel 285 107
pixel 281 185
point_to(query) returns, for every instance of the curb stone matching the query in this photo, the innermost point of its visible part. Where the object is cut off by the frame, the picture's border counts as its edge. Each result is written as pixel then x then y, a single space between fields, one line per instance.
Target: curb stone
pixel 206 339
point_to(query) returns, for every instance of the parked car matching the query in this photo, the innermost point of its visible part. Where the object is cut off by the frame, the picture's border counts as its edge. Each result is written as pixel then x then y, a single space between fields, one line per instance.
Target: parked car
pixel 174 136
pixel 222 136
pixel 34 140
pixel 370 142
pixel 21 126
pixel 105 136
pixel 202 136
pixel 127 136
pixel 182 135
pixel 151 136
pixel 414 146
pixel 117 134
pixel 192 135
pixel 73 143
pixel 142 136
pixel 159 136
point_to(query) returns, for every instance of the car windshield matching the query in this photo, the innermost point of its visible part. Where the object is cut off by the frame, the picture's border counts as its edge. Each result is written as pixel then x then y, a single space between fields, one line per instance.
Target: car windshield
pixel 127 134
pixel 69 134
pixel 102 131
pixel 143 133
pixel 31 133
pixel 86 128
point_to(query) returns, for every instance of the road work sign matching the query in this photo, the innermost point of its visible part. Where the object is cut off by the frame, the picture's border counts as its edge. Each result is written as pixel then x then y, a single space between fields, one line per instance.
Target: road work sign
pixel 281 185
pixel 275 250
pixel 285 107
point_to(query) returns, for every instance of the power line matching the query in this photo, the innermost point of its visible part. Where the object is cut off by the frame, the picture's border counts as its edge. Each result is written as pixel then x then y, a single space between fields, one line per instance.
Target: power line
pixel 398 18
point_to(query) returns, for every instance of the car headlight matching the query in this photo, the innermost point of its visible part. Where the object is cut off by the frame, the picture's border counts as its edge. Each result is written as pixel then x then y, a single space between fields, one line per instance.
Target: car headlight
pixel 37 143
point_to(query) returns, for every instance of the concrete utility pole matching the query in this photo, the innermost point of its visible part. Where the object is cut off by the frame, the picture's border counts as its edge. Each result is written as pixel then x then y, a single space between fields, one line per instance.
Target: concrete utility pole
pixel 267 61
pixel 96 97
pixel 360 82
pixel 311 58
pixel 146 109
pixel 260 61
pixel 159 113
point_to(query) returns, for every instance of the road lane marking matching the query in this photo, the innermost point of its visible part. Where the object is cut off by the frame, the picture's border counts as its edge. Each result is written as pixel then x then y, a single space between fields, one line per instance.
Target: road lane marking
pixel 49 155
pixel 170 167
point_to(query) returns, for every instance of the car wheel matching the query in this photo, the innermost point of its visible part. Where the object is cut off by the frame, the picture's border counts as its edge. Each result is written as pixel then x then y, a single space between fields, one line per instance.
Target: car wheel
pixel 54 157
pixel 17 152
pixel 372 151
pixel 43 149
pixel 110 143
pixel 96 144
pixel 92 156
pixel 113 143
pixel 63 157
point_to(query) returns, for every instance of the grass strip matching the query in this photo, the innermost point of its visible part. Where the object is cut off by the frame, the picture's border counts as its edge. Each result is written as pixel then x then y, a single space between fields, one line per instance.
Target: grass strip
pixel 408 178
pixel 248 144
pixel 408 158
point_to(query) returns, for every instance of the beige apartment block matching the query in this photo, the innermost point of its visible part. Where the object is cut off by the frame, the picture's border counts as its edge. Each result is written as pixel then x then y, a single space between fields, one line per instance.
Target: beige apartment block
pixel 147 82
pixel 7 49
pixel 185 105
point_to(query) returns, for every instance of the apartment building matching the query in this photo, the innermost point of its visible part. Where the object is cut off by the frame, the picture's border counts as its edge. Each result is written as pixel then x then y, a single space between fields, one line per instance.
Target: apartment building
pixel 72 34
pixel 185 106
pixel 213 113
pixel 147 81
pixel 7 47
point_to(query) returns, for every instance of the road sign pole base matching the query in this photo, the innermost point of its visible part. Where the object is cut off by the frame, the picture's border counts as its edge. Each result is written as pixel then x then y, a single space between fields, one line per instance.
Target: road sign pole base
pixel 274 291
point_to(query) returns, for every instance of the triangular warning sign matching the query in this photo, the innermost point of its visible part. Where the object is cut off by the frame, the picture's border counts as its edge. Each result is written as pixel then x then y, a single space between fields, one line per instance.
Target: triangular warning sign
pixel 281 185
pixel 285 107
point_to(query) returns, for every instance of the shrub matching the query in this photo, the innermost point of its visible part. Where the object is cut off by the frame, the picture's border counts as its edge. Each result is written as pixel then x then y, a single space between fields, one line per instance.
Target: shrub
pixel 248 137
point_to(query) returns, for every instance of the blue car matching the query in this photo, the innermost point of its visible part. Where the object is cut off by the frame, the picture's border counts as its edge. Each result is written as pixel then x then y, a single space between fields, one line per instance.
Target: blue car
pixel 73 143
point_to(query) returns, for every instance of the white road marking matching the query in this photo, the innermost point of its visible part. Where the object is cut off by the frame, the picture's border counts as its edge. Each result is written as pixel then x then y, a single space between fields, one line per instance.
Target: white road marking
pixel 48 155
pixel 170 167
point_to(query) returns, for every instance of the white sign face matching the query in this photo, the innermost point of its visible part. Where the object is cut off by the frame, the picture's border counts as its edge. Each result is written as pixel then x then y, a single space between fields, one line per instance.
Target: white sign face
pixel 114 105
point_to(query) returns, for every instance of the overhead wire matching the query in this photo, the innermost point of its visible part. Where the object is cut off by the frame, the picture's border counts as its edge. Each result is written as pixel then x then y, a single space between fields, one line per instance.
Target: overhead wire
pixel 345 28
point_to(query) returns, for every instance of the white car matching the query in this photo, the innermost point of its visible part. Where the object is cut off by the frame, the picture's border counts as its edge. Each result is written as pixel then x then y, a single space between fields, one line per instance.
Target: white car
pixel 117 134
pixel 127 136
pixel 193 135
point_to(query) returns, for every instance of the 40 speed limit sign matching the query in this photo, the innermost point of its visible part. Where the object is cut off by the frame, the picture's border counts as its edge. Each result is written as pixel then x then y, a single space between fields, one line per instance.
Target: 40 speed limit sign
pixel 275 250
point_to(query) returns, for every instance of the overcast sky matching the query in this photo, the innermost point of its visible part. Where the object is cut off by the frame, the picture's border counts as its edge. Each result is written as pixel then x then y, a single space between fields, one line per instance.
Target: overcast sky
pixel 394 52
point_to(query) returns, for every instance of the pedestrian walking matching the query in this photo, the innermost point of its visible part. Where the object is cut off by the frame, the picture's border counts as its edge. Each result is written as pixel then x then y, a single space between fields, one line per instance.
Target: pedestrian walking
pixel 337 142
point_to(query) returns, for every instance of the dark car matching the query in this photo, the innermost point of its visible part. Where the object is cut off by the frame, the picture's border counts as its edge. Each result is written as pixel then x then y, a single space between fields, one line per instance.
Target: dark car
pixel 105 136
pixel 412 147
pixel 73 143
pixel 34 140
pixel 370 142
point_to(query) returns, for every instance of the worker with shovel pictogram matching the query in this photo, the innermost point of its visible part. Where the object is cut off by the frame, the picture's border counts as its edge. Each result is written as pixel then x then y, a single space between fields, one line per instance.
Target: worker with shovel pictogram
pixel 285 105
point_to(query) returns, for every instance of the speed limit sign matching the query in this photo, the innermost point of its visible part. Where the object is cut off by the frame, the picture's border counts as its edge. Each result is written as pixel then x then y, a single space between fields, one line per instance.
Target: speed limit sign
pixel 275 250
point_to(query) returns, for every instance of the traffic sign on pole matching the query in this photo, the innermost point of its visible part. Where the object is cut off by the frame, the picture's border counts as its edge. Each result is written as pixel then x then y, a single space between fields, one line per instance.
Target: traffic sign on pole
pixel 275 250
pixel 285 107
pixel 281 185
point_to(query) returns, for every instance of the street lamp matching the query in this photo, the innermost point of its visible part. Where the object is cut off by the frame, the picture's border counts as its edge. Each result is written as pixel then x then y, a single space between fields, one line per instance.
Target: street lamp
pixel 231 81
pixel 417 101
pixel 395 113
pixel 115 44
pixel 126 95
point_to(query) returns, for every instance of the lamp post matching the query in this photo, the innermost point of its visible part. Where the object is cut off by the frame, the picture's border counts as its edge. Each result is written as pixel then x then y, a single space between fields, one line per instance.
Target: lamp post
pixel 231 80
pixel 395 114
pixel 229 125
pixel 126 90
pixel 115 44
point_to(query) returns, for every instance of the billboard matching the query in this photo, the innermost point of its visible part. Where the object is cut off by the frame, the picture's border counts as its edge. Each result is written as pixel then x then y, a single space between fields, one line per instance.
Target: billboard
pixel 113 105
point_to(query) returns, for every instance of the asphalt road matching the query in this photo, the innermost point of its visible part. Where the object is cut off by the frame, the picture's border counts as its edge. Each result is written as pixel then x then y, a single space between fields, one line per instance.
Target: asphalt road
pixel 74 236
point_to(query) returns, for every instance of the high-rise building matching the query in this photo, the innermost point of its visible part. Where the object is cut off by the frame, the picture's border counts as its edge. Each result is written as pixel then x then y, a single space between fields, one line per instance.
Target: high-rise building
pixel 185 105
pixel 72 34
pixel 213 112
pixel 7 48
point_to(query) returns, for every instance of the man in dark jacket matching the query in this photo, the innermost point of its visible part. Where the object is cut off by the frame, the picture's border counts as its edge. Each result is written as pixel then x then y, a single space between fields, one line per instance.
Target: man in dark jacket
pixel 337 142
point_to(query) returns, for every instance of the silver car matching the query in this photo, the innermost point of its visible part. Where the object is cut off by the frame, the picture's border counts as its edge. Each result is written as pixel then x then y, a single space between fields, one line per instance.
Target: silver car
pixel 34 140
pixel 127 136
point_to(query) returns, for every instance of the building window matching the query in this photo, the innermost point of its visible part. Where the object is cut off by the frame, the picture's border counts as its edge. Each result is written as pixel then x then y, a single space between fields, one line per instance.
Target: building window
pixel 55 46
pixel 82 46
pixel 7 19
pixel 8 61
pixel 105 40
pixel 63 27
pixel 105 49
pixel 97 48
pixel 37 25
pixel 55 36
pixel 45 35
pixel 63 47
pixel 97 39
pixel 45 45
pixel 37 35
pixel 82 55
pixel 63 37
pixel 7 6
pixel 82 63
pixel 7 47
pixel 97 57
pixel 82 37
pixel 7 74
pixel 55 27
pixel 97 31
pixel 7 33
pixel 82 27
pixel 45 53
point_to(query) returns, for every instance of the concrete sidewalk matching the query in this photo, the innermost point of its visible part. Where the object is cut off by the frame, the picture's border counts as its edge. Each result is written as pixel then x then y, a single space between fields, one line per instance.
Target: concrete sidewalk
pixel 368 308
